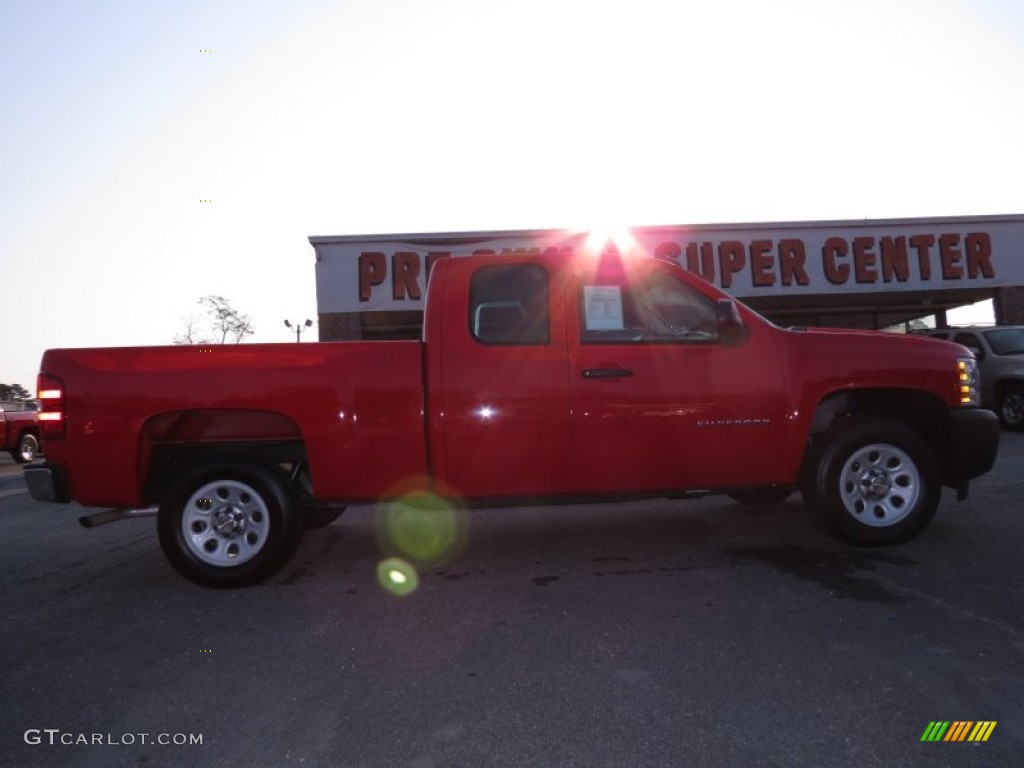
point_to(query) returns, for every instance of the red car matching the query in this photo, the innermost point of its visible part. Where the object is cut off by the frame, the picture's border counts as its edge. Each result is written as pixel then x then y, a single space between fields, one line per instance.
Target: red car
pixel 19 432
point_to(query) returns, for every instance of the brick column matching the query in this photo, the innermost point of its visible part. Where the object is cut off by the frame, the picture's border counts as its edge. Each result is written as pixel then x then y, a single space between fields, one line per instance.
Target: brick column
pixel 1008 304
pixel 340 326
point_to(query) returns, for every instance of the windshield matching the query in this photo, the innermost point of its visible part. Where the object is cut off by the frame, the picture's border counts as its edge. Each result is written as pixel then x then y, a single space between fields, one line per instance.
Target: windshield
pixel 1006 341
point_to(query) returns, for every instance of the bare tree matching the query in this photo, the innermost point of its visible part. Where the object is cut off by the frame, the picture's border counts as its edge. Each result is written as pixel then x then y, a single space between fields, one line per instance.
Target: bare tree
pixel 192 334
pixel 226 324
pixel 14 392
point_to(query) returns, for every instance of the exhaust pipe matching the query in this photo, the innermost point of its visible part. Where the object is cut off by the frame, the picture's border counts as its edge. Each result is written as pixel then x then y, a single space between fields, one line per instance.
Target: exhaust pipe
pixel 113 515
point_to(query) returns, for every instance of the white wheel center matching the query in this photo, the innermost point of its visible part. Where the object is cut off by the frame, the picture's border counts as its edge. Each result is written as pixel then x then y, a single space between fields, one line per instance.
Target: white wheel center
pixel 229 521
pixel 875 484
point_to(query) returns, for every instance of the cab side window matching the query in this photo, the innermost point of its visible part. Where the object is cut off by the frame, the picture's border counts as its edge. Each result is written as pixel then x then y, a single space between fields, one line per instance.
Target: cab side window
pixel 659 309
pixel 508 304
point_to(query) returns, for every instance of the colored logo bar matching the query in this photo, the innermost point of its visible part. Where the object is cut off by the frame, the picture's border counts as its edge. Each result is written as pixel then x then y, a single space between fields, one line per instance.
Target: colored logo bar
pixel 959 730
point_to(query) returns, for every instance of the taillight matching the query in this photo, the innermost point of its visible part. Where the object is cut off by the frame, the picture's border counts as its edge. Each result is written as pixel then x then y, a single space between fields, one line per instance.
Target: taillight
pixel 52 418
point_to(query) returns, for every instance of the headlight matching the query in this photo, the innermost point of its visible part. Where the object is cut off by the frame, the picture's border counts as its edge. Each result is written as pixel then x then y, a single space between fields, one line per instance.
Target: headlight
pixel 967 370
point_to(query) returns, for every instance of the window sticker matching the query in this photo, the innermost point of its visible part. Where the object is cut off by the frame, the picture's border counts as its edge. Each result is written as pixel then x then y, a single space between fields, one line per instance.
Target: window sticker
pixel 602 307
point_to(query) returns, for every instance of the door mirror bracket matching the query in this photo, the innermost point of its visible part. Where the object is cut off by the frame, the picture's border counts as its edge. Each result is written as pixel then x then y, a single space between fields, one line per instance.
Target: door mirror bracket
pixel 732 331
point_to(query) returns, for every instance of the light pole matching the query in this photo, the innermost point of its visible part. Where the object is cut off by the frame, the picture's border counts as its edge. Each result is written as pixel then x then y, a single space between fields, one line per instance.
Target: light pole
pixel 299 328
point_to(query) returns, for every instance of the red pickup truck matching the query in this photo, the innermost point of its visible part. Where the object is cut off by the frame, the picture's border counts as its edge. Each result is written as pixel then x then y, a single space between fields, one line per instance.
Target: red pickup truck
pixel 540 379
pixel 19 434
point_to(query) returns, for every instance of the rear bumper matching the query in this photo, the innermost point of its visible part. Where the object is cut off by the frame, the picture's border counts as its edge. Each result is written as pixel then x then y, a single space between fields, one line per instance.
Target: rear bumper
pixel 975 442
pixel 47 483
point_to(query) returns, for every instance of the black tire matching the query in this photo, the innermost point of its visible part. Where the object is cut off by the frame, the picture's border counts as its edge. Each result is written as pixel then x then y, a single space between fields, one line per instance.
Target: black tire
pixel 1010 407
pixel 230 522
pixel 763 497
pixel 27 449
pixel 871 481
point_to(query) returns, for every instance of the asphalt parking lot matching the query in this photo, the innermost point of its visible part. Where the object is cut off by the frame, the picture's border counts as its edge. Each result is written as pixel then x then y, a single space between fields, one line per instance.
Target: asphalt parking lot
pixel 662 633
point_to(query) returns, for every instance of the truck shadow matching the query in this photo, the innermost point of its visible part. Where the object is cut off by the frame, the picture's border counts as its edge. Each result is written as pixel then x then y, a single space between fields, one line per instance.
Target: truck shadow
pixel 543 546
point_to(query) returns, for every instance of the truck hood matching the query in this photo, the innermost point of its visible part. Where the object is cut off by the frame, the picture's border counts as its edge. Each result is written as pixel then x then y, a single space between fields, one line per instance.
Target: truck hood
pixel 832 359
pixel 907 340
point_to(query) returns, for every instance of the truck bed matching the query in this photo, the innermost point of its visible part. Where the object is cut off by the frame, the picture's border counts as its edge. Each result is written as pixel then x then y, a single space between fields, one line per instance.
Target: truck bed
pixel 357 406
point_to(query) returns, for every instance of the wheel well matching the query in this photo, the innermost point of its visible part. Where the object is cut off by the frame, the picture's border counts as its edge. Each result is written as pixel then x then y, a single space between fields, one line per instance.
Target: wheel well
pixel 168 462
pixel 172 442
pixel 923 412
pixel 919 410
pixel 1003 384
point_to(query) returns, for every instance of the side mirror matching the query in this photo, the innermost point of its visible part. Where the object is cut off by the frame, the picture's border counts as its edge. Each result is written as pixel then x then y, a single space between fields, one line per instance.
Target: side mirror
pixel 731 329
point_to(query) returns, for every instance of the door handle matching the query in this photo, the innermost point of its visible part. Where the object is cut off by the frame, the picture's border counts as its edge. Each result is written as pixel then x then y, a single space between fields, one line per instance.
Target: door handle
pixel 606 373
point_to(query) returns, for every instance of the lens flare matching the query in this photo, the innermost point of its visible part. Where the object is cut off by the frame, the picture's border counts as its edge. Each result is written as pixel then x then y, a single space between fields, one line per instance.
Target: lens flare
pixel 600 237
pixel 397 576
pixel 423 528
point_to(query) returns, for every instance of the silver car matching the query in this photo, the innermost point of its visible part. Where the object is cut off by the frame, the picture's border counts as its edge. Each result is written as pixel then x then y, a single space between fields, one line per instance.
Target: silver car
pixel 1000 354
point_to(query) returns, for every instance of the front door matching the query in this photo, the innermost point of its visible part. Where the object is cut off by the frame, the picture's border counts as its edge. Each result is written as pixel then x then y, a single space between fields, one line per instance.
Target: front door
pixel 658 402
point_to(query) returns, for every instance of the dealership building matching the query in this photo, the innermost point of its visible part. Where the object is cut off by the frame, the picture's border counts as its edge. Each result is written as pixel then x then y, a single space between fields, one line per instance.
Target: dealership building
pixel 857 274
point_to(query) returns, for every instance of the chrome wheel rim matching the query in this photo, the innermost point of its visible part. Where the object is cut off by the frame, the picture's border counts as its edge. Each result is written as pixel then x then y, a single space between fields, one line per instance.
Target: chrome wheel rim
pixel 879 485
pixel 225 523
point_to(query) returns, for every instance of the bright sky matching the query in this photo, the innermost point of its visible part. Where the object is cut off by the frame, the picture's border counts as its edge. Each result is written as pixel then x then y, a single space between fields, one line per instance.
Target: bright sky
pixel 307 117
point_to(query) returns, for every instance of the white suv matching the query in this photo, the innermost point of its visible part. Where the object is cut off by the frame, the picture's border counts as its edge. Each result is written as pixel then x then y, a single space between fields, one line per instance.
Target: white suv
pixel 1000 354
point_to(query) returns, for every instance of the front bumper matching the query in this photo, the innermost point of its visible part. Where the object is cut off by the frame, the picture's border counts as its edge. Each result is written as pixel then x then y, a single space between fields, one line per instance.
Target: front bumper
pixel 974 444
pixel 47 483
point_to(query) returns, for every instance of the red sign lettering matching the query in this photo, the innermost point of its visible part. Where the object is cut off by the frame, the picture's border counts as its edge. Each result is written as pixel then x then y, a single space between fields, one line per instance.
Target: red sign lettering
pixel 979 250
pixel 949 256
pixel 761 263
pixel 373 268
pixel 405 271
pixel 731 259
pixel 867 260
pixel 894 259
pixel 864 260
pixel 669 251
pixel 706 267
pixel 922 244
pixel 792 256
pixel 835 273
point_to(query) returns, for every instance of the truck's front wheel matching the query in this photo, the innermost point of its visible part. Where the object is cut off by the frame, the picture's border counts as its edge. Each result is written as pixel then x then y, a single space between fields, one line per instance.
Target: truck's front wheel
pixel 231 522
pixel 872 481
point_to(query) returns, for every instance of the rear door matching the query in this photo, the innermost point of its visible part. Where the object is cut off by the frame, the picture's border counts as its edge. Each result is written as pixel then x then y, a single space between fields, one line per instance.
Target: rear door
pixel 505 398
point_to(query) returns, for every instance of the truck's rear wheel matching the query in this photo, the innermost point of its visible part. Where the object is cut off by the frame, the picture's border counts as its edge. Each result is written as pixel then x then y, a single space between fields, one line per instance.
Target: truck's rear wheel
pixel 27 448
pixel 872 481
pixel 231 522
